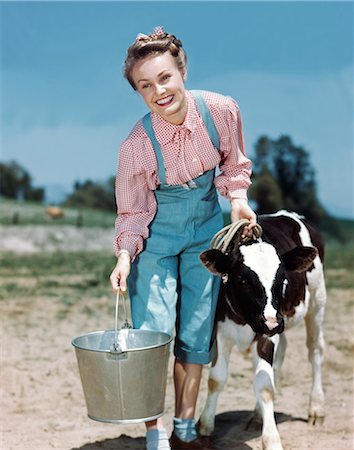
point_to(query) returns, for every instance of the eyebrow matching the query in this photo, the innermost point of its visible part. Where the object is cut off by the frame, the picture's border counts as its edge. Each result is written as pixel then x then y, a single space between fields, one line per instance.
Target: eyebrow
pixel 145 79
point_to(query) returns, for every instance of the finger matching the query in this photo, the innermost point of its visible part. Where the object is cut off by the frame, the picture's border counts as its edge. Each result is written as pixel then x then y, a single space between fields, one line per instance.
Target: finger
pixel 253 222
pixel 114 282
pixel 247 232
pixel 123 283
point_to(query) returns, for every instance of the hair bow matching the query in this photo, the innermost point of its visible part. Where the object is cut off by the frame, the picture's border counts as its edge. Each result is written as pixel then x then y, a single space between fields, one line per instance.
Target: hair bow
pixel 158 31
pixel 141 37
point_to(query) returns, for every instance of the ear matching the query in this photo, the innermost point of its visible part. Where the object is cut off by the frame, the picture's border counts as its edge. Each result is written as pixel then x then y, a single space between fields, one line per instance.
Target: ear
pixel 184 74
pixel 299 259
pixel 215 261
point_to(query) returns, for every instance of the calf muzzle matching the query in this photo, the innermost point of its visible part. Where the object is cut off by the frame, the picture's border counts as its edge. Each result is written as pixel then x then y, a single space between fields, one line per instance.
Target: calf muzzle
pixel 273 325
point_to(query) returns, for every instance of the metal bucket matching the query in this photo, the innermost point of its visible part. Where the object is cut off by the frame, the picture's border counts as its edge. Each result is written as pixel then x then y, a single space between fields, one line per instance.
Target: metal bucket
pixel 123 373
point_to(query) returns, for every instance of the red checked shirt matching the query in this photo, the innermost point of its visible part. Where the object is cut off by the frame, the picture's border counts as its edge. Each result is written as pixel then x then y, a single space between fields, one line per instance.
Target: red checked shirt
pixel 187 153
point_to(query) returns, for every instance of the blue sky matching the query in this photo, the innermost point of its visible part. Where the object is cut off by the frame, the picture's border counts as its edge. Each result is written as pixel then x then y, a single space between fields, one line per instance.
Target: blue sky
pixel 65 106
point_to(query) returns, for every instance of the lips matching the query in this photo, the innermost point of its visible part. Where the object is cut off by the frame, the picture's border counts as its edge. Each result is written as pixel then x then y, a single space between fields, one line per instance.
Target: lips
pixel 165 101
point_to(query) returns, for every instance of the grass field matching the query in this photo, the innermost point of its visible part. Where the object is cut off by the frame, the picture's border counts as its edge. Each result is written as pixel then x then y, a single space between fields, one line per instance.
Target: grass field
pixel 27 213
pixel 67 274
pixel 13 212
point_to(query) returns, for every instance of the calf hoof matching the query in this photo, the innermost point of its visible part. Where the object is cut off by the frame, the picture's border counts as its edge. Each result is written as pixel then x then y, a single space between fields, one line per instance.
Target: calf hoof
pixel 316 413
pixel 316 418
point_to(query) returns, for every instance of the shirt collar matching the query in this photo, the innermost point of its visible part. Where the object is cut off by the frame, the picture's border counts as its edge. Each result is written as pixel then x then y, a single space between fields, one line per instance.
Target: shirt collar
pixel 166 131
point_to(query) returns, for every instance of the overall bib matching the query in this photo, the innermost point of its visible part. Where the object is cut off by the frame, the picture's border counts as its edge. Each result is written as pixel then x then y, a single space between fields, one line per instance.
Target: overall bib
pixel 169 287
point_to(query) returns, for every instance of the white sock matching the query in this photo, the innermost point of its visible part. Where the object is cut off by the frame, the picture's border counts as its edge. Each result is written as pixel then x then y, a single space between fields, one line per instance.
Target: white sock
pixel 157 440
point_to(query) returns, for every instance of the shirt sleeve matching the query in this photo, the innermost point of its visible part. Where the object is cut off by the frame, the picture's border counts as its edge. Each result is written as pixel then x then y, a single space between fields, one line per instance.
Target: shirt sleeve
pixel 136 203
pixel 235 167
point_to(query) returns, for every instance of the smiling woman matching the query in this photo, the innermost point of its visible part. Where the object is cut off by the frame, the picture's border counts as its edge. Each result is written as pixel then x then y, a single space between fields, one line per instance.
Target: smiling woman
pixel 156 68
pixel 168 211
pixel 162 90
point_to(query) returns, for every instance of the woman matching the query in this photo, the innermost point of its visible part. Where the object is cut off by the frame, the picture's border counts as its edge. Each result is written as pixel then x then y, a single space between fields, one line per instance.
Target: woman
pixel 168 211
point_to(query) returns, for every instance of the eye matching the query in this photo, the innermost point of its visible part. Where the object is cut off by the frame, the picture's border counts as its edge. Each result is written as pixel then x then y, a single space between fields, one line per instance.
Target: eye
pixel 165 77
pixel 145 86
pixel 241 280
pixel 285 284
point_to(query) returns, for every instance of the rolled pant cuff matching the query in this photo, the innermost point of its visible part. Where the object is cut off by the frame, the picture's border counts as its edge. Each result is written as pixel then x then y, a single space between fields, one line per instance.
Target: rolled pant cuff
pixel 195 357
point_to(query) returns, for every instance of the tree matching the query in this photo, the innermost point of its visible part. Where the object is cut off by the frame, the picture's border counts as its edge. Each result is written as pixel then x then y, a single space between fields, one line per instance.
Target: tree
pixel 267 192
pixel 16 182
pixel 91 194
pixel 284 178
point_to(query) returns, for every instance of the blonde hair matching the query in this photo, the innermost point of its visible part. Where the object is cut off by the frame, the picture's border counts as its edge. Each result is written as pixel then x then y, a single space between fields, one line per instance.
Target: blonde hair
pixel 157 42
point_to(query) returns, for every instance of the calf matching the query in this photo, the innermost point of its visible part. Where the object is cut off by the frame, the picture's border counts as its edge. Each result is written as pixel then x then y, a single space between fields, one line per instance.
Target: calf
pixel 269 285
pixel 55 212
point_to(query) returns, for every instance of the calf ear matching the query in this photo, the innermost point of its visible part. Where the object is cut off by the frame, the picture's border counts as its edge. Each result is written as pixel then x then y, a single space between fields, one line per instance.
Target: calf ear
pixel 299 259
pixel 215 261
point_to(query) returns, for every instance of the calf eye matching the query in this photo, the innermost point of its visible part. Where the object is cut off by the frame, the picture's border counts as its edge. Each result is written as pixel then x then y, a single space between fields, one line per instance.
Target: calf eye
pixel 285 284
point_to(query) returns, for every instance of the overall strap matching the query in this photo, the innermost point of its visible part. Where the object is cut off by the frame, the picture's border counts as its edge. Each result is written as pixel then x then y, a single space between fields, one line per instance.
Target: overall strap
pixel 207 118
pixel 151 135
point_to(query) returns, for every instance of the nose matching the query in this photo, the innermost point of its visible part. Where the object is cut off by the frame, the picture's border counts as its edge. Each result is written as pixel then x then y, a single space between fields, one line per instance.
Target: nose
pixel 160 89
pixel 271 322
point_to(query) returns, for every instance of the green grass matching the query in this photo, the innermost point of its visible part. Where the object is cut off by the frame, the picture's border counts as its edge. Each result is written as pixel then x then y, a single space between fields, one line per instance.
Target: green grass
pixel 14 212
pixel 71 280
pixel 339 255
pixel 64 276
pixel 339 264
pixel 59 263
pixel 69 276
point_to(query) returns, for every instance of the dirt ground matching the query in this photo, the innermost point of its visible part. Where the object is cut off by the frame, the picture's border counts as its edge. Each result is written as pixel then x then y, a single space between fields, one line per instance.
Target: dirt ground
pixel 43 405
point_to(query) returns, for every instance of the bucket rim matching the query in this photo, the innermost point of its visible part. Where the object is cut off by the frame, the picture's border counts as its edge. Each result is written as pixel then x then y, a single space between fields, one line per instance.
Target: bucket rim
pixel 167 341
pixel 127 421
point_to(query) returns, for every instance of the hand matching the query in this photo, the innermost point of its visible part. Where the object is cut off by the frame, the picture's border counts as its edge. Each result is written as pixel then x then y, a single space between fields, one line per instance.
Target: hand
pixel 240 209
pixel 120 273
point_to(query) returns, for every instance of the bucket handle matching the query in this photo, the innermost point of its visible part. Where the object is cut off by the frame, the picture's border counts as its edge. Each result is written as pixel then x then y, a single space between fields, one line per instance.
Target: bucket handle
pixel 126 322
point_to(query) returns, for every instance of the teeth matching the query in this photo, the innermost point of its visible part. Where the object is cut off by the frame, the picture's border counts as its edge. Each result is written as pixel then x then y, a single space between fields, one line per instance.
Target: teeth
pixel 164 100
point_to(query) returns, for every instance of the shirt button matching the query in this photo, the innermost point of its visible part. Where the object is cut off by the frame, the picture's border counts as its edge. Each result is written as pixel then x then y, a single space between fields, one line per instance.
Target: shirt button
pixel 194 160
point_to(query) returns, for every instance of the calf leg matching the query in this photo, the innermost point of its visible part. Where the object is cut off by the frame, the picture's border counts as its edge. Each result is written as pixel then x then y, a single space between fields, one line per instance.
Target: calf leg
pixel 264 389
pixel 279 359
pixel 217 379
pixel 315 345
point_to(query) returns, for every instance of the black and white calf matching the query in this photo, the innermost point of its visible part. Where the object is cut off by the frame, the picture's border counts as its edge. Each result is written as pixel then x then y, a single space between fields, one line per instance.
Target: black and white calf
pixel 269 285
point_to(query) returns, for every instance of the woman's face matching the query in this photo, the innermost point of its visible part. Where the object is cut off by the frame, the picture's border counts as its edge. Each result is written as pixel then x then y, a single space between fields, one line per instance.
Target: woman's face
pixel 161 84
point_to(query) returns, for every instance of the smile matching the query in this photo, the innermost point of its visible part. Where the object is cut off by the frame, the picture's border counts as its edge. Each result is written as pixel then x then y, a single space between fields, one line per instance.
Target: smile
pixel 165 101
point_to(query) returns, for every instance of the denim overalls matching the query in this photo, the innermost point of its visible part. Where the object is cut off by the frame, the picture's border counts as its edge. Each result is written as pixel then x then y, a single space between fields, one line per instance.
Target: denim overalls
pixel 168 285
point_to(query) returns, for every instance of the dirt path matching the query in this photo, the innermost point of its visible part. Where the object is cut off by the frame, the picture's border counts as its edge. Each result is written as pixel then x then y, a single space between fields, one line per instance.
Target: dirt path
pixel 43 405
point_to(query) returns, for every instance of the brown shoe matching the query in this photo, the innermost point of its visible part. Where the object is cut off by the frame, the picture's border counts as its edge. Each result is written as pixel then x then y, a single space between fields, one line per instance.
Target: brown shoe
pixel 201 443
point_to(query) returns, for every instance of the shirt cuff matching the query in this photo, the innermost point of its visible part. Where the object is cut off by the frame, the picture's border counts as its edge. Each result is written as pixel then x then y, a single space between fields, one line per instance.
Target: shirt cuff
pixel 124 251
pixel 131 243
pixel 239 193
